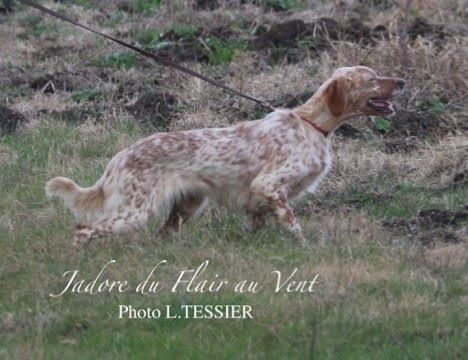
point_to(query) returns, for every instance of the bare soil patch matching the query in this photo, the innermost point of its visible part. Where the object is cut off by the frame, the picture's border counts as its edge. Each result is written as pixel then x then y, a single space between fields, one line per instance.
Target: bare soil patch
pixel 181 47
pixel 6 7
pixel 290 39
pixel 431 226
pixel 418 123
pixel 10 120
pixel 407 126
pixel 434 32
pixel 460 178
pixel 280 39
pixel 154 107
pixel 206 4
pixel 50 83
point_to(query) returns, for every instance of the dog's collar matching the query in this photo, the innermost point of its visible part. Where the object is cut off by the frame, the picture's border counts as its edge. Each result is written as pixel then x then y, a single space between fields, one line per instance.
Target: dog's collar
pixel 316 127
pixel 319 129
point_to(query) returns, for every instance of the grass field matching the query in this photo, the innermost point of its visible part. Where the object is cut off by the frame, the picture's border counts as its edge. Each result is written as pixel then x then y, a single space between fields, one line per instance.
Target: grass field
pixel 387 229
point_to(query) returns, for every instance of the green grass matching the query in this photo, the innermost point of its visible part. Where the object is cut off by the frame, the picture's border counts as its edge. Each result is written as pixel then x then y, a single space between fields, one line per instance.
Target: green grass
pixel 120 60
pixel 392 201
pixel 151 39
pixel 87 4
pixel 16 91
pixel 85 95
pixel 374 300
pixel 144 6
pixel 221 52
pixel 434 105
pixel 218 51
pixel 38 26
pixel 284 5
pixel 382 124
pixel 35 26
pixel 185 31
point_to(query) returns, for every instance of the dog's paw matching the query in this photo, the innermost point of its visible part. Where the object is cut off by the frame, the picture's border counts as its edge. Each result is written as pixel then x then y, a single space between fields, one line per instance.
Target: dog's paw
pixel 82 237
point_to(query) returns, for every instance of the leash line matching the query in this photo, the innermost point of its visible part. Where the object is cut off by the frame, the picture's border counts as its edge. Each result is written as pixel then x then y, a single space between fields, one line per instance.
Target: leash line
pixel 156 58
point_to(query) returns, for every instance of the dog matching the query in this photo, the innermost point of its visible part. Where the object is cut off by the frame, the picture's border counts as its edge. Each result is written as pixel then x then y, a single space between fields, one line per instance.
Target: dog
pixel 255 166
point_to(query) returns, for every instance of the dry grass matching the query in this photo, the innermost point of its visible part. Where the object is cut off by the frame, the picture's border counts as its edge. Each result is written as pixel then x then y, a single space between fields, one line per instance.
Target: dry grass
pixel 384 291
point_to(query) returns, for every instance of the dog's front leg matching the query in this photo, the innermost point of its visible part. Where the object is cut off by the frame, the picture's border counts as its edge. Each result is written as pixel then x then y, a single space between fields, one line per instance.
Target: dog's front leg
pixel 286 216
pixel 277 201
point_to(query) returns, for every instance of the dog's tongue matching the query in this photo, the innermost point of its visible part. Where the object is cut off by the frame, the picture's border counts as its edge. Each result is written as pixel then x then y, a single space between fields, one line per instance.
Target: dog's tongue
pixel 380 103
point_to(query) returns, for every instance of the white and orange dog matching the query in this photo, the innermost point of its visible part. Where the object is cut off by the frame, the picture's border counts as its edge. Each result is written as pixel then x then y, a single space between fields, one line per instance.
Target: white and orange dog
pixel 253 166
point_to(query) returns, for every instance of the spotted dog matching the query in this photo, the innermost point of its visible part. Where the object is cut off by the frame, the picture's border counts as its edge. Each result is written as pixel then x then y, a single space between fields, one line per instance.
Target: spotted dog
pixel 255 166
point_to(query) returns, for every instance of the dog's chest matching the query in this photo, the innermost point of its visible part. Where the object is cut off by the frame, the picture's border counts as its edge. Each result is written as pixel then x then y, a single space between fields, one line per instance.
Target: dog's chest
pixel 318 165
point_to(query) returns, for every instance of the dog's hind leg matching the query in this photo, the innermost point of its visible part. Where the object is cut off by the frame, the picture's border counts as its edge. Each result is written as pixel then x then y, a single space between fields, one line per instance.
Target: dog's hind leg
pixel 181 211
pixel 129 219
pixel 257 219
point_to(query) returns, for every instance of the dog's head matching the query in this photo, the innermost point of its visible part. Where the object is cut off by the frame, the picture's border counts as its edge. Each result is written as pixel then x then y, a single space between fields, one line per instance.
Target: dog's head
pixel 358 90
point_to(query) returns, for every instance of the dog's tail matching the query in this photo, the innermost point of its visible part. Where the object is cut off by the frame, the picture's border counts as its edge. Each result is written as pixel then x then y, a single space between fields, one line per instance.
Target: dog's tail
pixel 83 202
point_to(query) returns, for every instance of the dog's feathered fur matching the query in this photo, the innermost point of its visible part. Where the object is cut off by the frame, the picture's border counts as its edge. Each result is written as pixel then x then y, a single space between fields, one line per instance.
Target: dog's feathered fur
pixel 255 166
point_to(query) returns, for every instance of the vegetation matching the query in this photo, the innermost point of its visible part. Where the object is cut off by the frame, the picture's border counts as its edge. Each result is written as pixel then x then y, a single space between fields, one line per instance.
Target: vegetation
pixel 220 52
pixel 121 60
pixel 387 228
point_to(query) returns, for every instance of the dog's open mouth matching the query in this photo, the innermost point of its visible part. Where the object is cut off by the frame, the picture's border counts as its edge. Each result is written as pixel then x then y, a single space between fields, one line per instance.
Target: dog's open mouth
pixel 382 106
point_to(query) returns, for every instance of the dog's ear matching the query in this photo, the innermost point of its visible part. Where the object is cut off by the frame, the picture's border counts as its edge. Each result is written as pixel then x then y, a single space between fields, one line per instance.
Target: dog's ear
pixel 336 96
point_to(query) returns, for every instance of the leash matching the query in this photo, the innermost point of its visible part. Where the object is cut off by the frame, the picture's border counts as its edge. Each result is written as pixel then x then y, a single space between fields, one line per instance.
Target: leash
pixel 156 58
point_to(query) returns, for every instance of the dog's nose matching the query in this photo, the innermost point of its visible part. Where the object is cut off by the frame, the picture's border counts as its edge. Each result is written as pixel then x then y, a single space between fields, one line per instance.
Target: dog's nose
pixel 401 83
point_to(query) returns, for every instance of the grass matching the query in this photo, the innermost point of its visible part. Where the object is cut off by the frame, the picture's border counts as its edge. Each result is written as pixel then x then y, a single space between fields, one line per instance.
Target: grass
pixel 381 294
pixel 144 6
pixel 390 201
pixel 119 60
pixel 284 5
pixel 221 52
pixel 85 95
pixel 434 105
pixel 149 38
pixel 374 300
pixel 185 31
pixel 217 51
pixel 36 26
pixel 382 124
